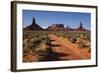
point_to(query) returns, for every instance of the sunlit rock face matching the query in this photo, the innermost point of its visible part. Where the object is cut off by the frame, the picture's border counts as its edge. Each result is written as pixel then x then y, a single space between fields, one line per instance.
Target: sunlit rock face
pixel 56 27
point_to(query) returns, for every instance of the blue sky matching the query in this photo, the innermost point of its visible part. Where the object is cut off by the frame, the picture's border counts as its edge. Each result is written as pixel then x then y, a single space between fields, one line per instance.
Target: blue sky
pixel 46 18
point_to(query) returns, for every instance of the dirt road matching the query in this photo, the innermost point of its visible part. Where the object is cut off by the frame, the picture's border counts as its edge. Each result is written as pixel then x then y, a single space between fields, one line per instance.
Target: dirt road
pixel 66 50
pixel 59 49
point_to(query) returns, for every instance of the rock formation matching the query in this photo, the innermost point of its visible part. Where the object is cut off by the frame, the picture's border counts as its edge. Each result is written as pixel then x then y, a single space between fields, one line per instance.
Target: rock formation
pixel 53 27
pixel 56 27
pixel 33 26
pixel 80 28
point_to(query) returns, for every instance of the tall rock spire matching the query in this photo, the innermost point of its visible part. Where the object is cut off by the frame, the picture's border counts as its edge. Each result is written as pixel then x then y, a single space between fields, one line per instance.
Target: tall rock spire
pixel 33 26
pixel 33 21
pixel 81 25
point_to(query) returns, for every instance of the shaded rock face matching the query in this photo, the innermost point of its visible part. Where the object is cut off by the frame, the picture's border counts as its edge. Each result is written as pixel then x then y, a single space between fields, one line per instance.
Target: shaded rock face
pixel 33 26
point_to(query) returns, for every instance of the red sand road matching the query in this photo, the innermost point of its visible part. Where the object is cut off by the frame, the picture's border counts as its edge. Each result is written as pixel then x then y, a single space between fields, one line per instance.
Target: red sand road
pixel 62 49
pixel 70 50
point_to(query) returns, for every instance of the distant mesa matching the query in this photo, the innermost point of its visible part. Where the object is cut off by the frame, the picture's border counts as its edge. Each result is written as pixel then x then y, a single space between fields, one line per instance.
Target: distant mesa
pixel 33 26
pixel 54 27
pixel 60 27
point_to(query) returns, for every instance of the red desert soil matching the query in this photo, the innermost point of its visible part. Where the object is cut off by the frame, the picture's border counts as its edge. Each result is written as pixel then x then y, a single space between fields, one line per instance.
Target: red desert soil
pixel 70 50
pixel 64 49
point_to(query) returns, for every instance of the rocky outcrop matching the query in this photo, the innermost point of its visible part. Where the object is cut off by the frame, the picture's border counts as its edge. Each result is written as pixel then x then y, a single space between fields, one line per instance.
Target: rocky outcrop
pixel 56 27
pixel 60 27
pixel 80 28
pixel 33 26
pixel 53 27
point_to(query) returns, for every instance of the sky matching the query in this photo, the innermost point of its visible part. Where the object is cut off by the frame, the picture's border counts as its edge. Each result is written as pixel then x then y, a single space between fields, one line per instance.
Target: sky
pixel 47 18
